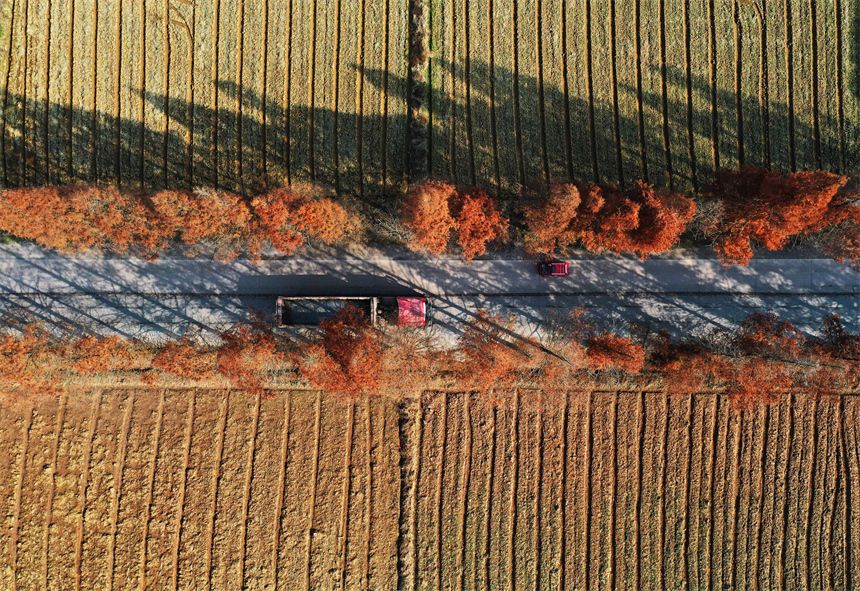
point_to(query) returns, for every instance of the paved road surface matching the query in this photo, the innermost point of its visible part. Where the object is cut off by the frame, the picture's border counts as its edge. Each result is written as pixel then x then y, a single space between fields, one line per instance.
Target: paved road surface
pixel 160 299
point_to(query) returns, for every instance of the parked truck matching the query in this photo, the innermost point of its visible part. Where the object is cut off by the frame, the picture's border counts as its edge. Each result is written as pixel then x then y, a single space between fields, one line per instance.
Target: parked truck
pixel 310 311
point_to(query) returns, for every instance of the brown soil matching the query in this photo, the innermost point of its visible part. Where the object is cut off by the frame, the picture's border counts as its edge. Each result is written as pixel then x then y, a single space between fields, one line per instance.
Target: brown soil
pixel 208 489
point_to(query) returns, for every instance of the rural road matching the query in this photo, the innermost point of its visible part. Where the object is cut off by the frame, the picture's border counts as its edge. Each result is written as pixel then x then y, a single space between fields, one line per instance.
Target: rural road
pixel 161 299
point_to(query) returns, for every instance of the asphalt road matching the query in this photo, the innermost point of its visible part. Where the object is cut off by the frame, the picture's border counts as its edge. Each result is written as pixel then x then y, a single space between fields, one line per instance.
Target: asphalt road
pixel 161 299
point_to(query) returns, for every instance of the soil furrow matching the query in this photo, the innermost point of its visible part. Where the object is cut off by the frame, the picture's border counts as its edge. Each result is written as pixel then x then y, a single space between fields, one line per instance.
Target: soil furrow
pixel 463 508
pixel 216 484
pixel 452 483
pixel 14 427
pixel 246 481
pixel 262 491
pixel 538 501
pixel 182 490
pixel 764 460
pixel 512 505
pixel 526 483
pixel 15 532
pixel 126 407
pixel 488 507
pixel 368 511
pixel 50 468
pixel 83 488
pixel 737 477
pixel 712 487
pixel 279 498
pixel 343 527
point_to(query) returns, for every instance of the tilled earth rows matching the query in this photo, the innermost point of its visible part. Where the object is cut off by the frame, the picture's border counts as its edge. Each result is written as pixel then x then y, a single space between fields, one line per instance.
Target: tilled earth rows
pixel 199 489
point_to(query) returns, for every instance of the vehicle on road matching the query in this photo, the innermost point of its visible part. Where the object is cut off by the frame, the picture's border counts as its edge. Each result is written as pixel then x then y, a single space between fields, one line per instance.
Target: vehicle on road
pixel 553 269
pixel 311 311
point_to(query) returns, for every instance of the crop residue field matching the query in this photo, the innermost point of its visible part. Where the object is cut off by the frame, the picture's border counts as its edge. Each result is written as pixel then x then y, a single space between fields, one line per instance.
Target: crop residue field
pixel 182 489
pixel 238 93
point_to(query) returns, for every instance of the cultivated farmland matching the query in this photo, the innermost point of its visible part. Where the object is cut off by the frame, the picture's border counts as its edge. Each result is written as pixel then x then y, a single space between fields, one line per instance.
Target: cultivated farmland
pixel 231 93
pixel 194 489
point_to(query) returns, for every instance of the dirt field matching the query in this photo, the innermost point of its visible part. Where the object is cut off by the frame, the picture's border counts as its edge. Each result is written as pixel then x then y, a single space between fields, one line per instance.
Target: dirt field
pixel 230 92
pixel 200 489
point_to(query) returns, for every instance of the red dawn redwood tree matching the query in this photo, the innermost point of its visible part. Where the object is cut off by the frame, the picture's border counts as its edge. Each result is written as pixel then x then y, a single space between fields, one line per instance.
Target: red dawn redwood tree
pixel 479 222
pixel 638 220
pixel 427 213
pixel 769 208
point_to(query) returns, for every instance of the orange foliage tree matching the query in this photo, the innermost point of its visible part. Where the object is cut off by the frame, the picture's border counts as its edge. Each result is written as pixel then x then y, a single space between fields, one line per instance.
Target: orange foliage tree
pixel 479 222
pixel 606 350
pixel 348 359
pixel 639 220
pixel 286 218
pixel 764 206
pixel 186 359
pixel 91 354
pixel 28 357
pixel 249 350
pixel 427 213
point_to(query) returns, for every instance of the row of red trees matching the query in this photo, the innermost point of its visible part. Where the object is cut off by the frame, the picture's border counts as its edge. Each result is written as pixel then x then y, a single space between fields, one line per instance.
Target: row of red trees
pixel 754 363
pixel 78 217
pixel 752 206
pixel 745 206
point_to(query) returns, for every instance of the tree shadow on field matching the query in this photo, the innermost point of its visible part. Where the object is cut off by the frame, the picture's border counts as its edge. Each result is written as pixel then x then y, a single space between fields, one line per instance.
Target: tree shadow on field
pixel 246 145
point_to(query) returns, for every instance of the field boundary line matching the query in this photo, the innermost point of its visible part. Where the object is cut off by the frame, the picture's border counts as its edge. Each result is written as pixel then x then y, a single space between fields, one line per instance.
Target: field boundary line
pixel 437 519
pixel 216 27
pixel 807 520
pixel 282 475
pixel 52 484
pixel 7 62
pixel 685 556
pixel 94 142
pixel 240 114
pixel 518 126
pixel 386 58
pixel 336 126
pixel 640 461
pixel 538 491
pixel 313 496
pixel 46 117
pixel 413 495
pixel 359 104
pixel 542 107
pixel 368 496
pixel 789 66
pixel 467 71
pixel 846 519
pixel 512 507
pixel 494 133
pixel 311 101
pixel 785 507
pixel 347 473
pixel 464 491
pixel 712 451
pixel 147 515
pixel 22 174
pixel 738 74
pixel 142 91
pixel 662 508
pixel 616 125
pixel 84 484
pixel 614 488
pixel 183 482
pixel 640 106
pixel 264 99
pixel 563 503
pixel 586 506
pixel 285 96
pixel 691 141
pixel 840 85
pixel 589 69
pixel 488 506
pixel 715 119
pixel 19 490
pixel 119 469
pixel 760 509
pixel 736 499
pixel 166 99
pixel 246 494
pixel 117 97
pixel 565 74
pixel 664 99
pixel 216 482
pixel 816 115
pixel 70 163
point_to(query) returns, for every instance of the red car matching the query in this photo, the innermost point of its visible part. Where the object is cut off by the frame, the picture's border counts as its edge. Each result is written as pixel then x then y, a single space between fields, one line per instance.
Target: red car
pixel 553 269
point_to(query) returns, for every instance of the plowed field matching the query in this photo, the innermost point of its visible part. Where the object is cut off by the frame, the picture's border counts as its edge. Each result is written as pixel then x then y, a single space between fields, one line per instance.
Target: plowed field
pixel 203 489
